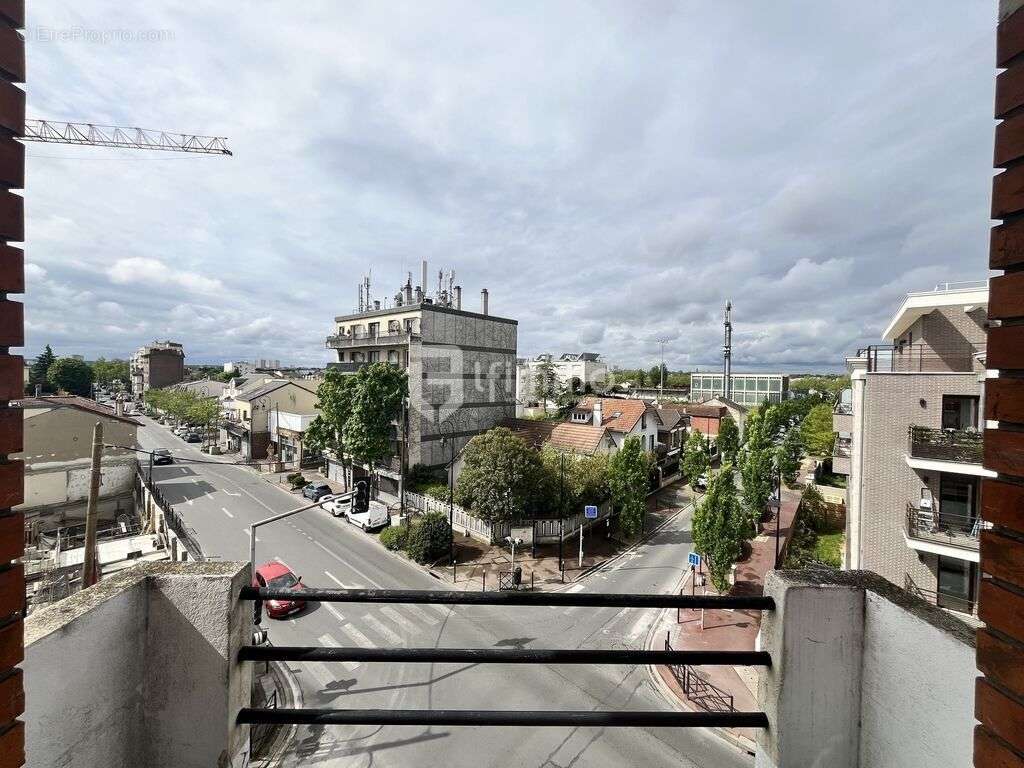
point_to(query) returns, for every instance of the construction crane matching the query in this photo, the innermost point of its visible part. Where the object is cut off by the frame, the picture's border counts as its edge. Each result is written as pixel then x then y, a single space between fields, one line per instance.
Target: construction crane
pixel 90 134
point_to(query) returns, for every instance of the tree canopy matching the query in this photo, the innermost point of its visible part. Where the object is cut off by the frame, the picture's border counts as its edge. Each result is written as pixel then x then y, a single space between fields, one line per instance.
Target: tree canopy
pixel 70 375
pixel 575 479
pixel 788 456
pixel 830 387
pixel 629 471
pixel 109 371
pixel 718 525
pixel 502 477
pixel 756 468
pixel 816 431
pixel 39 368
pixel 696 460
pixel 728 440
pixel 377 396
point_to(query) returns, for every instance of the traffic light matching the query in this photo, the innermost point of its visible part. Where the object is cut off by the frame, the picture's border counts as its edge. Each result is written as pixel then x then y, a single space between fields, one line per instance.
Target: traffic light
pixel 361 503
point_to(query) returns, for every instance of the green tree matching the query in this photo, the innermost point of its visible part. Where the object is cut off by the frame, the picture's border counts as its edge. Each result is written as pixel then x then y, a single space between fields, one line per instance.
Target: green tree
pixel 576 479
pixel 788 456
pixel 334 401
pixel 717 527
pixel 429 538
pixel 655 374
pixel 70 375
pixel 828 387
pixel 502 478
pixel 545 382
pixel 756 469
pixel 109 371
pixel 629 471
pixel 728 440
pixel 816 431
pixel 39 368
pixel 378 393
pixel 696 460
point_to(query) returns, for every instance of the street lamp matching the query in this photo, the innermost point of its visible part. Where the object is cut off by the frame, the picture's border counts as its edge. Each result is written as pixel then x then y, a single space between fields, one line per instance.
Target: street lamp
pixel 451 500
pixel 775 504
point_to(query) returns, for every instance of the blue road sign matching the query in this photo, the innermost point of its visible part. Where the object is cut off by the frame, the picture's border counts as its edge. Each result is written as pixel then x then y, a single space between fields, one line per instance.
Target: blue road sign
pixel 693 559
pixel 590 512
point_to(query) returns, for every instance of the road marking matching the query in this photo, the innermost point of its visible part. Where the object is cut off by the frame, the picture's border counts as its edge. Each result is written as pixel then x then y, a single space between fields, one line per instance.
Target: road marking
pixel 382 629
pixel 330 642
pixel 335 611
pixel 576 588
pixel 225 511
pixel 339 558
pixel 422 615
pixel 229 493
pixel 361 639
pixel 440 610
pixel 248 534
pixel 399 619
pixel 338 581
pixel 320 671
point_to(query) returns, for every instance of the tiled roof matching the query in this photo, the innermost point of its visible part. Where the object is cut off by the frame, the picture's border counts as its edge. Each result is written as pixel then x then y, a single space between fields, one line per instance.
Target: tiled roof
pixel 669 417
pixel 705 411
pixel 74 401
pixel 269 387
pixel 617 414
pixel 564 435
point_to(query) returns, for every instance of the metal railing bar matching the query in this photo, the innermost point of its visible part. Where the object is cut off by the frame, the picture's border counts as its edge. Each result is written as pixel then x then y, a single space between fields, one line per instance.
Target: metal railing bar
pixel 503 655
pixel 438 597
pixel 452 717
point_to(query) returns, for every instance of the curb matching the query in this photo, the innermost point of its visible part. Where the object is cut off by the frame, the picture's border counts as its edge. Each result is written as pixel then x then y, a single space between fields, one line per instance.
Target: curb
pixel 291 694
pixel 670 696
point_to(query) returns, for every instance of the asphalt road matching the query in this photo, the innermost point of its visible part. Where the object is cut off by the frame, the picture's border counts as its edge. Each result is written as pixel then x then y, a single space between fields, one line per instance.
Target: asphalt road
pixel 220 501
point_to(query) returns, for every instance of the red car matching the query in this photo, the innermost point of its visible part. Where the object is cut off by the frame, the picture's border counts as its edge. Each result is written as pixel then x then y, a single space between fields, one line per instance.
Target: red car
pixel 276 575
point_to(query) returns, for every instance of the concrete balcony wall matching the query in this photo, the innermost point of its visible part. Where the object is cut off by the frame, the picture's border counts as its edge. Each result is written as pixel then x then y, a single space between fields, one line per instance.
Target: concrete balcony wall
pixel 141 669
pixel 864 675
pixel 842 422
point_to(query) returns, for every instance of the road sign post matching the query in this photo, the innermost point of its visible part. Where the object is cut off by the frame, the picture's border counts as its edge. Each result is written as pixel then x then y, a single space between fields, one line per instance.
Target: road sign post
pixel 590 512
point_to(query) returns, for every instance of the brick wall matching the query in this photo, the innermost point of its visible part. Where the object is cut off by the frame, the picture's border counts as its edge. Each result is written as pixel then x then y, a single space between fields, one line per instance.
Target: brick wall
pixel 12 280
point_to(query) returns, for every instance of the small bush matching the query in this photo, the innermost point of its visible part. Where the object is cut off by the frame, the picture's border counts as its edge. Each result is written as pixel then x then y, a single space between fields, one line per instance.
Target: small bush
pixel 436 491
pixel 395 538
pixel 296 481
pixel 429 538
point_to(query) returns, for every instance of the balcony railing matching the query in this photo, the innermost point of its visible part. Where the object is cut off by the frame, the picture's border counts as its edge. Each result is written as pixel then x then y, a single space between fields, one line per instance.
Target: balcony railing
pixel 964 446
pixel 920 358
pixel 952 529
pixel 842 450
pixel 369 339
pixel 942 599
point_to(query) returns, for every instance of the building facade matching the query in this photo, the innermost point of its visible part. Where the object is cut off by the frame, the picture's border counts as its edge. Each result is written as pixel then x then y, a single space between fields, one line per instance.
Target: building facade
pixel 571 369
pixel 747 389
pixel 156 365
pixel 247 427
pixel 461 367
pixel 909 437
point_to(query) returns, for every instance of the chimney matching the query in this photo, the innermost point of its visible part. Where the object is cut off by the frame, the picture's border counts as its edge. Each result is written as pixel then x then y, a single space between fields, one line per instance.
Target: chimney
pixel 458 297
pixel 408 289
pixel 483 301
pixel 423 281
pixel 419 295
pixel 376 304
pixel 598 415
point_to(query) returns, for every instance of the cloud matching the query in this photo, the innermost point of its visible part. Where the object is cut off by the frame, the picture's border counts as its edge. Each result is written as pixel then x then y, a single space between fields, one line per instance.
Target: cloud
pixel 613 173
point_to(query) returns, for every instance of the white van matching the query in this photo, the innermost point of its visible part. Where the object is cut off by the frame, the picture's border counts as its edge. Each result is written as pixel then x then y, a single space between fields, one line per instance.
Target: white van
pixel 375 517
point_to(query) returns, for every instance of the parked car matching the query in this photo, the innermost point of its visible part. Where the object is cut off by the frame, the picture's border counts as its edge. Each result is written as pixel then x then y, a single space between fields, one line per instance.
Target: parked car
pixel 316 491
pixel 701 482
pixel 376 516
pixel 193 437
pixel 162 456
pixel 277 576
pixel 338 504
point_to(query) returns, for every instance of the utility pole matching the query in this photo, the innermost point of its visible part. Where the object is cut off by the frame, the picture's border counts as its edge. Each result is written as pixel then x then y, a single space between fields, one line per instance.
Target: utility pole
pixel 561 511
pixel 90 569
pixel 727 353
pixel 661 370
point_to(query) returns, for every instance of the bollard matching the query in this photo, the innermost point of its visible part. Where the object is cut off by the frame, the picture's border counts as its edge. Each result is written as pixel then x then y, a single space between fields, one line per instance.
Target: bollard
pixel 484 589
pixel 531 581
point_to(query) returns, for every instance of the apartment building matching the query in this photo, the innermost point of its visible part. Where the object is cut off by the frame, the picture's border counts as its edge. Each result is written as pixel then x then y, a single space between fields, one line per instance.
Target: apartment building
pixel 909 437
pixel 461 366
pixel 749 389
pixel 156 365
pixel 255 417
pixel 575 369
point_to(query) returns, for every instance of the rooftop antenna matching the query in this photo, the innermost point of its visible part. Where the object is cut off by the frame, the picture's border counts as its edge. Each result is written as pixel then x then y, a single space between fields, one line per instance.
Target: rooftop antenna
pixel 727 352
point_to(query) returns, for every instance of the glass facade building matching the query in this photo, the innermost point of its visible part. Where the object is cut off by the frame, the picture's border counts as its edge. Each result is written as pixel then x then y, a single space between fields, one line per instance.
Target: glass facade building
pixel 748 389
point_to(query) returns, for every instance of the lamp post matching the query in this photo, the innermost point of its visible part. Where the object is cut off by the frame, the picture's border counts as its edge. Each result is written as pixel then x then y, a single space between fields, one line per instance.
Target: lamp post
pixel 451 501
pixel 775 504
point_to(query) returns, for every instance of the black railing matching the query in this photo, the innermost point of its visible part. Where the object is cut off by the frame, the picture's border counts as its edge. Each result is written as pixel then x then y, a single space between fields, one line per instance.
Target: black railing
pixel 960 445
pixel 698 689
pixel 842 450
pixel 921 358
pixel 185 533
pixel 600 718
pixel 956 603
pixel 953 529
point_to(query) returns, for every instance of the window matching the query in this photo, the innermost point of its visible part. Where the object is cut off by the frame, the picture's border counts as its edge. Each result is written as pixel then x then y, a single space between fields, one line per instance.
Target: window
pixel 956 584
pixel 374 356
pixel 776 385
pixel 958 496
pixel 643 421
pixel 762 385
pixel 393 356
pixel 652 442
pixel 374 328
pixel 959 412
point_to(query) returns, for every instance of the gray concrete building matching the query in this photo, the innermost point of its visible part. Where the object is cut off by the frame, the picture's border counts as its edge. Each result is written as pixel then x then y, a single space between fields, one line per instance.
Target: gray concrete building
pixel 909 438
pixel 461 366
pixel 156 365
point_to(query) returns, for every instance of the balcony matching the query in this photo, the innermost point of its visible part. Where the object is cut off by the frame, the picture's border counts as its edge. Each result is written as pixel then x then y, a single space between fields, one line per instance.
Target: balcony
pixel 922 358
pixel 961 446
pixel 941 599
pixel 353 340
pixel 841 453
pixel 928 530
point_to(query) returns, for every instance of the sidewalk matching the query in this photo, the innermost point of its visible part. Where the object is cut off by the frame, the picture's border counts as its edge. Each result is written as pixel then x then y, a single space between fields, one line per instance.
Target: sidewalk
pixel 725 630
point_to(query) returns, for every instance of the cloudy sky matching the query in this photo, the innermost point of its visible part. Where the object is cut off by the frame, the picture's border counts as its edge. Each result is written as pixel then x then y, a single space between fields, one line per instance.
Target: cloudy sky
pixel 611 171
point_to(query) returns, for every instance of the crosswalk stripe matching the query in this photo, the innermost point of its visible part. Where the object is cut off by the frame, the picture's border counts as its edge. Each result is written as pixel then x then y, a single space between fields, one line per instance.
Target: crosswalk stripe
pixel 399 619
pixel 382 629
pixel 422 615
pixel 320 671
pixel 440 610
pixel 361 640
pixel 335 611
pixel 330 642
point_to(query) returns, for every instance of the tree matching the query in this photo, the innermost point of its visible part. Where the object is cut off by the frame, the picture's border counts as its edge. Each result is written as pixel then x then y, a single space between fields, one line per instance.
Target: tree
pixel 629 471
pixel 816 431
pixel 788 456
pixel 576 479
pixel 545 382
pixel 502 478
pixel 334 401
pixel 377 396
pixel 696 458
pixel 109 371
pixel 429 538
pixel 756 469
pixel 37 372
pixel 656 373
pixel 830 388
pixel 728 439
pixel 717 527
pixel 70 375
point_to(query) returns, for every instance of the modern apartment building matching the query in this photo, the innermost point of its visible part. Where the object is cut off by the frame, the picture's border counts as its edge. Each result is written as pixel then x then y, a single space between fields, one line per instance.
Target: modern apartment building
pixel 157 365
pixel 747 389
pixel 909 437
pixel 461 366
pixel 578 369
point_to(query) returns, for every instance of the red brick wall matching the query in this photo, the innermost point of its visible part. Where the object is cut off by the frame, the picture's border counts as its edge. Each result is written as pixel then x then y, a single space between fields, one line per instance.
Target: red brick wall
pixel 999 696
pixel 705 425
pixel 12 473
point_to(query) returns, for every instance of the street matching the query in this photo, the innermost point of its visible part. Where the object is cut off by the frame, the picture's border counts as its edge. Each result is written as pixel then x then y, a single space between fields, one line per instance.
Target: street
pixel 220 501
